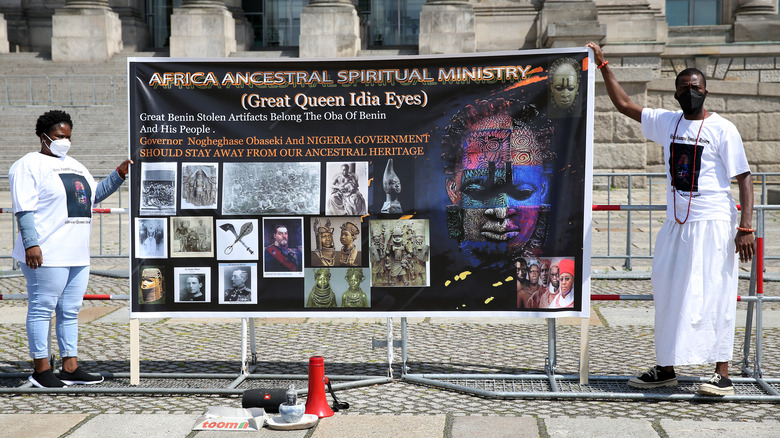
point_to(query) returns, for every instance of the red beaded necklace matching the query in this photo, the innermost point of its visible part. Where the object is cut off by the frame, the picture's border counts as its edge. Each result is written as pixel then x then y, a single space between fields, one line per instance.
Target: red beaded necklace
pixel 674 191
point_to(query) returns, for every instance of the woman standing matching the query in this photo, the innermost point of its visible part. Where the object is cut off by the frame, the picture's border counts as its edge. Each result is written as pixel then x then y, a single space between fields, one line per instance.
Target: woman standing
pixel 52 196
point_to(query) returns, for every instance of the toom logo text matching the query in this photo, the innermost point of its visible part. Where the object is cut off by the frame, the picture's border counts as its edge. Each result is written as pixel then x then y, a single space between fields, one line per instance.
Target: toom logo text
pixel 221 424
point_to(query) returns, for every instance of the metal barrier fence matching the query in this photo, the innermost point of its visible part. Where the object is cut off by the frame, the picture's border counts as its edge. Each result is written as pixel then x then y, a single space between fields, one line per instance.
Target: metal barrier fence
pixel 623 238
pixel 81 90
pixel 631 240
pixel 754 387
pixel 550 384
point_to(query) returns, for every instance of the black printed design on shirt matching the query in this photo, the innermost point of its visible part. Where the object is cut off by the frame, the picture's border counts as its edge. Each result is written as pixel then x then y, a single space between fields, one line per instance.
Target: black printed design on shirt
pixel 79 195
pixel 682 162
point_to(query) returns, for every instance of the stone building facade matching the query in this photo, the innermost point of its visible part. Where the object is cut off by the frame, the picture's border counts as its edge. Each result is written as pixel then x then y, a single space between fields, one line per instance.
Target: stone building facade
pixel 738 49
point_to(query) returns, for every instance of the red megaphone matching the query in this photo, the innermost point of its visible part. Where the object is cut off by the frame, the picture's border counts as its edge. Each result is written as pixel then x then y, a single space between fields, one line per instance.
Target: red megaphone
pixel 316 401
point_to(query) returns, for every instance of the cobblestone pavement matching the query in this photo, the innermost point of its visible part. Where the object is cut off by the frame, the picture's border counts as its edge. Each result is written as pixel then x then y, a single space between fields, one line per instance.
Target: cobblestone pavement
pixel 435 346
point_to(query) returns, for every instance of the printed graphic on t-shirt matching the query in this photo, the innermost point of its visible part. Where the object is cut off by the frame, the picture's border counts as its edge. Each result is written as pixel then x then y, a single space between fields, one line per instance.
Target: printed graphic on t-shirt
pixel 684 166
pixel 79 195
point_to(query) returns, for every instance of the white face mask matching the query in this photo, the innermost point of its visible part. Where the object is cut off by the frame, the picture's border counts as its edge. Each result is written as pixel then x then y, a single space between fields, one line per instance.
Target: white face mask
pixel 59 147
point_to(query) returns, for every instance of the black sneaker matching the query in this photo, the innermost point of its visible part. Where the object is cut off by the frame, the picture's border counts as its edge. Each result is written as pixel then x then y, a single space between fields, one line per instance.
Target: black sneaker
pixel 79 377
pixel 717 385
pixel 655 377
pixel 46 379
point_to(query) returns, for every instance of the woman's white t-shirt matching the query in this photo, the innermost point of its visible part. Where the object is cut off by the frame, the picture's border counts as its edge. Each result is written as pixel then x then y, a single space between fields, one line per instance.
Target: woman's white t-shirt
pixel 60 192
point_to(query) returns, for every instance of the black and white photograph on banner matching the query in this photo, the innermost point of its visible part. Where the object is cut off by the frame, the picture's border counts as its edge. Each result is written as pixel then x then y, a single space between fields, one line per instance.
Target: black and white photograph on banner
pixel 158 189
pixel 238 283
pixel 400 252
pixel 325 251
pixel 151 284
pixel 199 186
pixel 192 284
pixel 271 188
pixel 151 238
pixel 337 288
pixel 545 282
pixel 283 247
pixel 347 190
pixel 237 239
pixel 192 236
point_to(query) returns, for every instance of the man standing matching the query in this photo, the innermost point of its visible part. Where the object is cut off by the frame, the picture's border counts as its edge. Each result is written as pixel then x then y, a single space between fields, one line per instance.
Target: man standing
pixel 528 298
pixel 278 256
pixel 547 298
pixel 694 265
pixel 544 275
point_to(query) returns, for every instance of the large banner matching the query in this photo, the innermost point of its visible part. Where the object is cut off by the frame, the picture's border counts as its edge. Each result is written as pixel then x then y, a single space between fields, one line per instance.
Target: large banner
pixel 406 186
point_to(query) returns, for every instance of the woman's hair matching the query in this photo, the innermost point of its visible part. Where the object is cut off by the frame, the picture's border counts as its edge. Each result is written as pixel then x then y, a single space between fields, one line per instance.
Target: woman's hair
pixel 51 118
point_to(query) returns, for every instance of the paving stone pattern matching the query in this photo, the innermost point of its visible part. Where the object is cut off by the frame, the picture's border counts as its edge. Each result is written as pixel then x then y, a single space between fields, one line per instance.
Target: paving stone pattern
pixel 454 346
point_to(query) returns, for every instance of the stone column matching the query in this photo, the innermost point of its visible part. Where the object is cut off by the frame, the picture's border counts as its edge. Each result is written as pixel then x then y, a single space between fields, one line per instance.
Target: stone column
pixel 756 20
pixel 3 35
pixel 37 23
pixel 447 26
pixel 569 23
pixel 203 29
pixel 245 35
pixel 85 30
pixel 135 34
pixel 329 29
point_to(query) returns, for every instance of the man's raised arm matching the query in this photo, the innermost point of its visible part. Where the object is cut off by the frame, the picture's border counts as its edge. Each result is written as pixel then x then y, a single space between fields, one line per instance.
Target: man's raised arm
pixel 616 93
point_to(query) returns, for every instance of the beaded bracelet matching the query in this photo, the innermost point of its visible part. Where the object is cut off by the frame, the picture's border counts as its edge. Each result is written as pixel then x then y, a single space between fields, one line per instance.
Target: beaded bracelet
pixel 602 64
pixel 746 230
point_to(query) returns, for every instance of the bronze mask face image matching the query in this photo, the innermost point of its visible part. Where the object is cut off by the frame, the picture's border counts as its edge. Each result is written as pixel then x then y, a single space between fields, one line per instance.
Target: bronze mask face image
pixel 151 285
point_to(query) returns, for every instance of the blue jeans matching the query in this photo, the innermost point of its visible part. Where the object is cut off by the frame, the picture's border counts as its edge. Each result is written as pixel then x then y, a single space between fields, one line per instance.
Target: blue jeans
pixel 59 290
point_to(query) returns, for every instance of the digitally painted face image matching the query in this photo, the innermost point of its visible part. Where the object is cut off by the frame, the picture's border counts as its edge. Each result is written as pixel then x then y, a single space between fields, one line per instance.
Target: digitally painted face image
pixel 497 161
pixel 81 193
pixel 564 82
pixel 682 167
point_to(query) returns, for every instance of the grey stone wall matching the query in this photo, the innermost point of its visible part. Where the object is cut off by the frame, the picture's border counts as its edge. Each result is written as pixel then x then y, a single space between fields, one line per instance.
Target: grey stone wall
pixel 745 90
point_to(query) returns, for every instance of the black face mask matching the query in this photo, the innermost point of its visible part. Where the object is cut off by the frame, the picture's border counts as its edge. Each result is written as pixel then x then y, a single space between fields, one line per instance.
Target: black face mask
pixel 691 101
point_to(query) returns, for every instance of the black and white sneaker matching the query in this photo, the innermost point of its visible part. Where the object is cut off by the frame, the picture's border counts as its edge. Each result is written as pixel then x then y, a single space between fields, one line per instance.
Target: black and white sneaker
pixel 79 377
pixel 655 377
pixel 46 379
pixel 717 385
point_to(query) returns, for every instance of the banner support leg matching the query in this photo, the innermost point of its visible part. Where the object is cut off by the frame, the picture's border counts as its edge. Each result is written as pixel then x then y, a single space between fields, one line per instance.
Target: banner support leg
pixel 552 360
pixel 243 346
pixel 135 352
pixel 252 341
pixel 584 350
pixel 404 352
pixel 390 347
pixel 745 362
